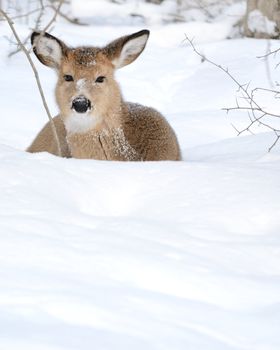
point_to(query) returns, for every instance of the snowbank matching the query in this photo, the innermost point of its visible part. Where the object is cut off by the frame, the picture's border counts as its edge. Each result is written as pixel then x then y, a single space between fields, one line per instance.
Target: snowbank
pixel 167 255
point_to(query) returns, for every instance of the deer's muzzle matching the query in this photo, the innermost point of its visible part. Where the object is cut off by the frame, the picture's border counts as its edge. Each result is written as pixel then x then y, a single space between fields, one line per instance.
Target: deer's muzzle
pixel 81 104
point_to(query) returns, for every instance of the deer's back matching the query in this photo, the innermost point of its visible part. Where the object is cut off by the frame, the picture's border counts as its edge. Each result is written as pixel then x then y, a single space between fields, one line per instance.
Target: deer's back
pixel 148 132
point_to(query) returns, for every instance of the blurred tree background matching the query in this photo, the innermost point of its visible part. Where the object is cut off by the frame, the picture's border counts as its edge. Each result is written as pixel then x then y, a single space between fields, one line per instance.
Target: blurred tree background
pixel 254 18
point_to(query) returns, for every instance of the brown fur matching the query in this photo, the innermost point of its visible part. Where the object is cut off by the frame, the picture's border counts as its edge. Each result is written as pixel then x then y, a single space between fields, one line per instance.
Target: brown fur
pixel 122 131
pixel 45 141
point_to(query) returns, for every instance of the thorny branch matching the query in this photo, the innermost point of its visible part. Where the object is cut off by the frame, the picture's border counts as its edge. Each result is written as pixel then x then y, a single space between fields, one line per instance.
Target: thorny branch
pixel 257 114
pixel 23 48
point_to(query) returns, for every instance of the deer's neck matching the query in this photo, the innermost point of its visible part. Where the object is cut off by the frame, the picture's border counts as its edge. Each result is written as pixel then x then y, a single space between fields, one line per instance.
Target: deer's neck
pixel 100 137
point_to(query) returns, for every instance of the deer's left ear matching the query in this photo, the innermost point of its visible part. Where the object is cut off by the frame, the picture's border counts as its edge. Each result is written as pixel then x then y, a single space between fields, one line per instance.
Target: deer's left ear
pixel 126 49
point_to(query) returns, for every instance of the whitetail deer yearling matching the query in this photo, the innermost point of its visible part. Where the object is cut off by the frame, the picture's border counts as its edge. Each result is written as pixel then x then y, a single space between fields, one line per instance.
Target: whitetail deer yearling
pixel 94 121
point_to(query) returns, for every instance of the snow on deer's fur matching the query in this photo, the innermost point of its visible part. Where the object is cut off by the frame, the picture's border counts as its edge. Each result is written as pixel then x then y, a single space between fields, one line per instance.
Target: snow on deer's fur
pixel 94 121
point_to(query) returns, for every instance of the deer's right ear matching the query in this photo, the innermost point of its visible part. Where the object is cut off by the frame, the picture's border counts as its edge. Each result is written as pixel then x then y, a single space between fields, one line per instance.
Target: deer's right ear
pixel 48 49
pixel 126 49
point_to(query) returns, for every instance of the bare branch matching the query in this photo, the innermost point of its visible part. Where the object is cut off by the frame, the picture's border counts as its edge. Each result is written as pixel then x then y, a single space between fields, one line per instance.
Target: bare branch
pixel 23 48
pixel 18 49
pixel 275 142
pixel 53 19
pixel 256 113
pixel 69 19
pixel 274 52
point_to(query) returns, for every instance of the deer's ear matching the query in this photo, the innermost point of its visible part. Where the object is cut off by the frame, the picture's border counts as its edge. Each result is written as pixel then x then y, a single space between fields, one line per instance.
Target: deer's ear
pixel 126 49
pixel 48 49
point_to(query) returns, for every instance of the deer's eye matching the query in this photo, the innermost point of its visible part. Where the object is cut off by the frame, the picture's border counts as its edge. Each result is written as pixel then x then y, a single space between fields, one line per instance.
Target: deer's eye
pixel 100 79
pixel 68 77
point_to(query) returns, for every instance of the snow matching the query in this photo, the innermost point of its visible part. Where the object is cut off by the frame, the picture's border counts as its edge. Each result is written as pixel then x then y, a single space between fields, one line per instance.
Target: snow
pixel 122 147
pixel 148 255
pixel 81 84
pixel 257 22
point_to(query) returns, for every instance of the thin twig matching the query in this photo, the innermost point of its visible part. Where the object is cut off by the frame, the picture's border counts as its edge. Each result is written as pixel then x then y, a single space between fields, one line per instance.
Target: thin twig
pixel 274 52
pixel 256 112
pixel 53 19
pixel 228 109
pixel 275 142
pixel 18 49
pixel 69 19
pixel 27 13
pixel 11 25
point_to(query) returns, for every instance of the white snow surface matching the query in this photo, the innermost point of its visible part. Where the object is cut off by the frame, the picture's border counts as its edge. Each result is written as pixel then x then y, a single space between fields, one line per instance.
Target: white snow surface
pixel 157 255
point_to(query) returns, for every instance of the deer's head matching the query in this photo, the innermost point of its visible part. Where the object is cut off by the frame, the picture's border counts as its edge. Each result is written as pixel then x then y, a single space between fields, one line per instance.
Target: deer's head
pixel 86 90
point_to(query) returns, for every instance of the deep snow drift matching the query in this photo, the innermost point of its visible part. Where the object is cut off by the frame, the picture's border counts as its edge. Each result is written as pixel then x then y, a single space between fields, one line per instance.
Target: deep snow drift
pixel 110 255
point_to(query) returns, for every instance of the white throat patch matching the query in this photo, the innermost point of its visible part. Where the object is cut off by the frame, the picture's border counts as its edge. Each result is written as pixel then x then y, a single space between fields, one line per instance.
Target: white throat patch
pixel 77 123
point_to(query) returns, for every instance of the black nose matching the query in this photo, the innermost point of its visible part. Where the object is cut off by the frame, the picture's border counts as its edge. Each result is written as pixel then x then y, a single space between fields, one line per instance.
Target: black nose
pixel 81 104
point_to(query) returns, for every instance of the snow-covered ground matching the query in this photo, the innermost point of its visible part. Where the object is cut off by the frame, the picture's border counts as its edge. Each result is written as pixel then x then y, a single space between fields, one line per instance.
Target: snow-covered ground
pixel 108 255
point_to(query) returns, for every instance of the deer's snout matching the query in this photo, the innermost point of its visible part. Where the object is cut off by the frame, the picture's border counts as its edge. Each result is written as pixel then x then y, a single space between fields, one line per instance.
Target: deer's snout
pixel 81 104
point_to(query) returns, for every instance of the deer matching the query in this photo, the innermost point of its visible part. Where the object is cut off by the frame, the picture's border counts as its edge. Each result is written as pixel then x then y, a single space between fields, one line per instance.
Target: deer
pixel 94 121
